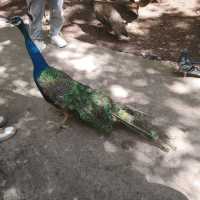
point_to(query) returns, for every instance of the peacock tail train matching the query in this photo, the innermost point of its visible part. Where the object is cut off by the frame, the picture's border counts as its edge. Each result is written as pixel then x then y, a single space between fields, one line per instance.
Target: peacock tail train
pixel 92 106
pixel 134 120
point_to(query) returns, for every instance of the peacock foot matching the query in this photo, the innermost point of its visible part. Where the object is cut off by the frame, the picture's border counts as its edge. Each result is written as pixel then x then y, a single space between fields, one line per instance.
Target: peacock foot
pixel 60 125
pixel 63 124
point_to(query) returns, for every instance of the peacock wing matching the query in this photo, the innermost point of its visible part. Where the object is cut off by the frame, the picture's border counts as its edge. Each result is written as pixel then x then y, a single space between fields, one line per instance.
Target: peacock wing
pixel 55 84
pixel 92 106
pixel 97 111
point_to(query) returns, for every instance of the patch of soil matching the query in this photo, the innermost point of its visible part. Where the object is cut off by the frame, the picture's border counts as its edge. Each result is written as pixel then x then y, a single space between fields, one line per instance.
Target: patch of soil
pixel 160 32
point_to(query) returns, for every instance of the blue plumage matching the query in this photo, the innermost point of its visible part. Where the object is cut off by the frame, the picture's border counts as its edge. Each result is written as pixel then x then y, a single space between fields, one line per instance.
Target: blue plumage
pixel 38 60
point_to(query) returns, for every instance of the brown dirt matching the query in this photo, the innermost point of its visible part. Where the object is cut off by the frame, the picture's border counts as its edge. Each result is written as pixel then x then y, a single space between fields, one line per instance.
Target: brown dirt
pixel 44 162
pixel 162 29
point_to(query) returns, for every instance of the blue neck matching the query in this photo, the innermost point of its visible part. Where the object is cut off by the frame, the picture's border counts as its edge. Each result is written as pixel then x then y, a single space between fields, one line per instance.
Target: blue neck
pixel 39 62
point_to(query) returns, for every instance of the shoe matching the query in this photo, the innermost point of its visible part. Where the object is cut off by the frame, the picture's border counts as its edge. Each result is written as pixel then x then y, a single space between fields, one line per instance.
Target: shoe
pixel 3 121
pixel 58 41
pixel 7 133
pixel 40 44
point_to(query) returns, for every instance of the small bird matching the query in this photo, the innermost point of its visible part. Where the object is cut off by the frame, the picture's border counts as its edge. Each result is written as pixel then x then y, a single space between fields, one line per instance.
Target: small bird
pixel 91 106
pixel 186 65
pixel 184 60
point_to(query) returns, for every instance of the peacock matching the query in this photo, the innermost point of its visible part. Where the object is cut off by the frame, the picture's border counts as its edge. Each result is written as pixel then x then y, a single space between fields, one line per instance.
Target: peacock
pixel 70 96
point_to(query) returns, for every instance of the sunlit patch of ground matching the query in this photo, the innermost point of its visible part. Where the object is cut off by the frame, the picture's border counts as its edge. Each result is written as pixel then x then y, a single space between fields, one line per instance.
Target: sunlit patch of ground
pixel 44 162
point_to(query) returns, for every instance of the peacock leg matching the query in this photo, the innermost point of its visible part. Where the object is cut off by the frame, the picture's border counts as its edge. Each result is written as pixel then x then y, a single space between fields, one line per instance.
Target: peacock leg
pixel 63 123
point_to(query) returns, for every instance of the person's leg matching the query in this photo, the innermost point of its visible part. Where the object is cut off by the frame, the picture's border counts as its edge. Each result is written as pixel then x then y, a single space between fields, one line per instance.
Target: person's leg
pixel 7 132
pixel 36 12
pixel 56 22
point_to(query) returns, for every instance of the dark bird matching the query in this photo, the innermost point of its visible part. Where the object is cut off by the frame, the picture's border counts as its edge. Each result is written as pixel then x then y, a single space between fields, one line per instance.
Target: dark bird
pixel 91 106
pixel 186 65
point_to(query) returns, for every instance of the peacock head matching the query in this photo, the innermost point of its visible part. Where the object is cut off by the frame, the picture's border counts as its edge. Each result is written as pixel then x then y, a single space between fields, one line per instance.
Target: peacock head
pixel 16 21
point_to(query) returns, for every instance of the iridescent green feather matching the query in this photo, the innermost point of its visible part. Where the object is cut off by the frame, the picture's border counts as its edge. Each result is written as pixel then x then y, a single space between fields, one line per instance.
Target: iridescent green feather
pixel 92 106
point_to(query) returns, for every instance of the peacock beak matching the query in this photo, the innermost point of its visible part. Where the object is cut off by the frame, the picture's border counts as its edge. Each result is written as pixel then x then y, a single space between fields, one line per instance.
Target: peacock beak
pixel 5 19
pixel 16 20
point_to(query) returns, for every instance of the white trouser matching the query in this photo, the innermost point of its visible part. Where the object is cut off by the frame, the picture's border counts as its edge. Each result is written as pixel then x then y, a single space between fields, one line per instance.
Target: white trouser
pixel 36 9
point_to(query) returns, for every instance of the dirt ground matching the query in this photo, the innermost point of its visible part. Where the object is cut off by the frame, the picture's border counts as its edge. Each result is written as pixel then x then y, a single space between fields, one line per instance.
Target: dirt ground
pixel 161 30
pixel 44 162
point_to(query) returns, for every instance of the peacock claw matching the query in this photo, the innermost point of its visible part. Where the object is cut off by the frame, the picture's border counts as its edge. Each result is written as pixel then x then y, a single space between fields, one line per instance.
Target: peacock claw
pixel 64 126
pixel 165 148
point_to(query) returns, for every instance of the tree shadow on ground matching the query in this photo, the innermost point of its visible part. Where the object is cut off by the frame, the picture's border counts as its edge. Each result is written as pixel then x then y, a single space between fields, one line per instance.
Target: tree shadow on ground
pixel 38 161
pixel 12 8
pixel 173 103
pixel 163 35
pixel 42 162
